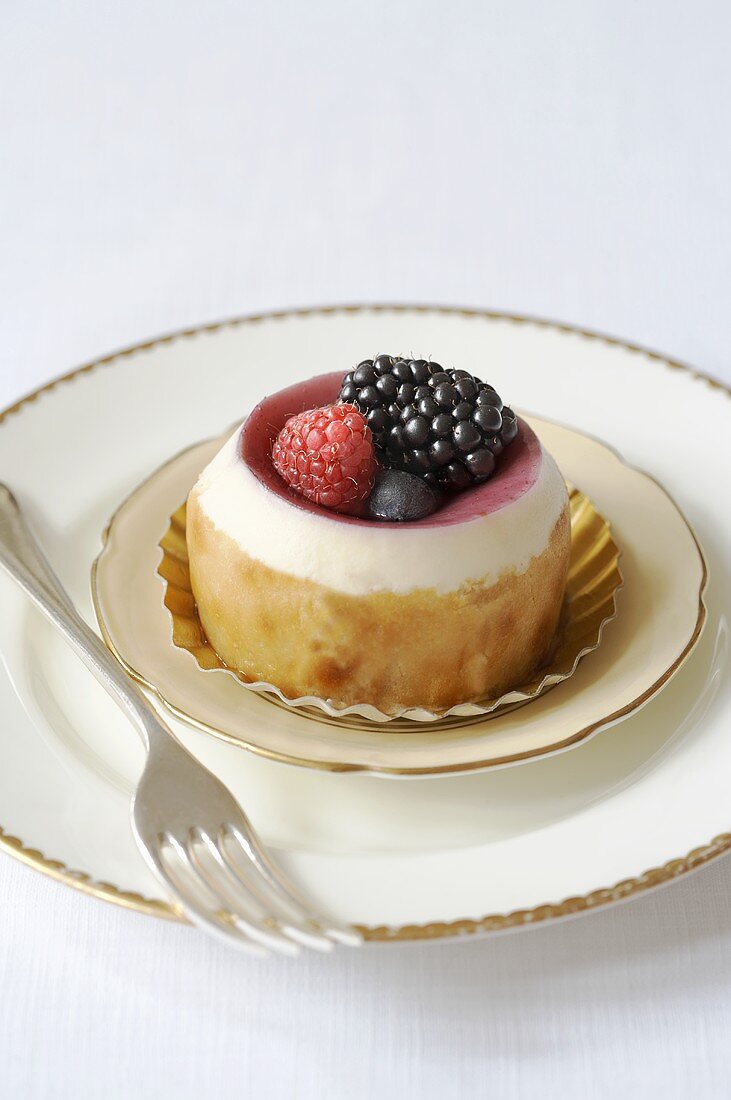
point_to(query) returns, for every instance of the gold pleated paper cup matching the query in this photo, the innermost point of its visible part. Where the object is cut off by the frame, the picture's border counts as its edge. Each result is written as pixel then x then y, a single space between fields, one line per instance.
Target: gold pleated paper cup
pixel 594 579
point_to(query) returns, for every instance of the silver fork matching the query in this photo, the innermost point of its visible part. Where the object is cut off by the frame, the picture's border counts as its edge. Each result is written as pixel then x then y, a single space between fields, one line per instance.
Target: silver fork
pixel 191 831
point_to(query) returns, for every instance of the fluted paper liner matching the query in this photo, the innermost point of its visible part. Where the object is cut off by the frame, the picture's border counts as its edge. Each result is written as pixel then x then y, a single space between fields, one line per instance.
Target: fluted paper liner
pixel 594 579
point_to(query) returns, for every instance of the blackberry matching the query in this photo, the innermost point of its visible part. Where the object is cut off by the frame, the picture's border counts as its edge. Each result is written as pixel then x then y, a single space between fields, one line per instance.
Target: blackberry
pixel 444 425
pixel 399 496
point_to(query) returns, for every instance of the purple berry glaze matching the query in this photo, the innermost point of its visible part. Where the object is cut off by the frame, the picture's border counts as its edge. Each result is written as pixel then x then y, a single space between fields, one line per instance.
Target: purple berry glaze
pixel 518 466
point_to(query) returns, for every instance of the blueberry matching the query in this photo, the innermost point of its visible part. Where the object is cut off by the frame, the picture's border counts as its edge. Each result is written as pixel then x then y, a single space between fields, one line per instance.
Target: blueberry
pixel 399 497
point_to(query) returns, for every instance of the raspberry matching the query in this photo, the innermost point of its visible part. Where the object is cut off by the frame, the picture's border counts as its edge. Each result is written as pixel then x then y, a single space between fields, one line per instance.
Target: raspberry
pixel 327 455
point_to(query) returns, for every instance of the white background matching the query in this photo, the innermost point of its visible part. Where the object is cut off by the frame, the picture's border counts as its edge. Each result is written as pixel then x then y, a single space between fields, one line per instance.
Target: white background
pixel 165 164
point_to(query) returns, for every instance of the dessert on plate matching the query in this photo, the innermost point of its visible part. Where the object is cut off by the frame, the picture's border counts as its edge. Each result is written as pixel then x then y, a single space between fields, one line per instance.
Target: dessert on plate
pixel 395 536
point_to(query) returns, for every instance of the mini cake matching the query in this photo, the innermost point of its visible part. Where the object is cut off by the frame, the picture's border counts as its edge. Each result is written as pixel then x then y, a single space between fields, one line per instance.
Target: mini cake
pixel 344 555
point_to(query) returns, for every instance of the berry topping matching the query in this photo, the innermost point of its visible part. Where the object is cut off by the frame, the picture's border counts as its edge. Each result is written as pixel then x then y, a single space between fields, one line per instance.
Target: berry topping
pixel 327 455
pixel 444 425
pixel 398 496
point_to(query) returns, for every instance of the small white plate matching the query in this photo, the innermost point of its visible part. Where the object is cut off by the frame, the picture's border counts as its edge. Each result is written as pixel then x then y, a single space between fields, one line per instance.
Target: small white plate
pixel 433 857
pixel 594 580
pixel 661 614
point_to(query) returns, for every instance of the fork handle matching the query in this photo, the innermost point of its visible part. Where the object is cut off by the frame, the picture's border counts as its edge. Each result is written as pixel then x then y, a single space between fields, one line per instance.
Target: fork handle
pixel 22 557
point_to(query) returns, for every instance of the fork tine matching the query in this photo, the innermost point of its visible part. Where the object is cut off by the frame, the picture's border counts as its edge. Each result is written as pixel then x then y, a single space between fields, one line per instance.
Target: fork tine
pixel 221 930
pixel 268 937
pixel 278 885
pixel 295 930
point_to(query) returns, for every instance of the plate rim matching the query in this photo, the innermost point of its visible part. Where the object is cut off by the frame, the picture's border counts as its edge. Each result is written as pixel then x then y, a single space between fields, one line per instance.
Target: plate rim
pixel 550 911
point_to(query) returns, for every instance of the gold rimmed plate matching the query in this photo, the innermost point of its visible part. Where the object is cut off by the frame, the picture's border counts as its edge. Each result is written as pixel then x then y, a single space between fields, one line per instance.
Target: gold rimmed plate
pixel 594 580
pixel 134 604
pixel 644 804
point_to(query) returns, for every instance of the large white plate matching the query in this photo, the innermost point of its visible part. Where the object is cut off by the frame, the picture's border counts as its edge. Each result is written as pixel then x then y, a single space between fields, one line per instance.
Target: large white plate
pixel 636 806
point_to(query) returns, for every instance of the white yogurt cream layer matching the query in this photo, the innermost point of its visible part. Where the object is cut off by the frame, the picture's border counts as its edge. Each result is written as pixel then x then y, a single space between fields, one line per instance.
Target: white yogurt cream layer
pixel 361 559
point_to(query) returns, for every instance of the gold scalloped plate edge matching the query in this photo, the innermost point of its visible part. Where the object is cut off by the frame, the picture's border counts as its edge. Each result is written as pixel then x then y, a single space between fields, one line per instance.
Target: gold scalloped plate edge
pixel 598 898
pixel 598 566
pixel 434 930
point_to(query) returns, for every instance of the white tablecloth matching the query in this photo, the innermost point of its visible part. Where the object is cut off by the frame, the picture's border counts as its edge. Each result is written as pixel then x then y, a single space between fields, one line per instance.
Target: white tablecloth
pixel 167 163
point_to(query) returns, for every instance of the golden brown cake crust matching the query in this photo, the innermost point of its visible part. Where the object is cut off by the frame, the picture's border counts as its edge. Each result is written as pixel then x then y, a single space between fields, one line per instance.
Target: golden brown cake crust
pixel 422 648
